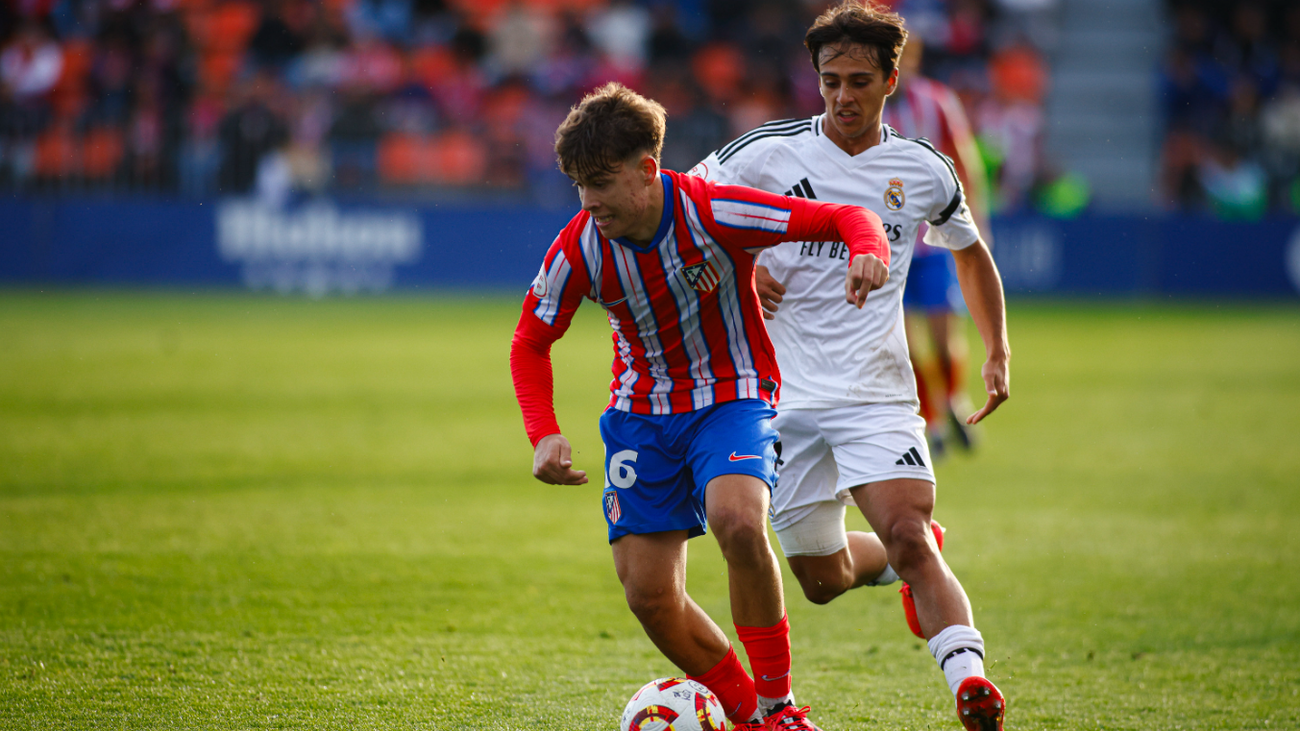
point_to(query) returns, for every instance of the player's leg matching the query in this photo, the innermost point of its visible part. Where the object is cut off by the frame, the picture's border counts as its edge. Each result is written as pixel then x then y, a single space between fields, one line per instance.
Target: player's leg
pixel 900 511
pixel 922 295
pixel 651 509
pixel 652 569
pixel 924 393
pixel 737 509
pixel 945 319
pixel 809 520
pixel 733 456
pixel 861 561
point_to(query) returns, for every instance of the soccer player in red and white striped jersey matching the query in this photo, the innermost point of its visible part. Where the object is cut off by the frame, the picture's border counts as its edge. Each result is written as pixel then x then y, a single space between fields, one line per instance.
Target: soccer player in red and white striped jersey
pixel 688 436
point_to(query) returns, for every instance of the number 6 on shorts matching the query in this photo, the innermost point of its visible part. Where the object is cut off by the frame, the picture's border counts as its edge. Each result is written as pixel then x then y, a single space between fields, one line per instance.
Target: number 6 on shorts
pixel 621 472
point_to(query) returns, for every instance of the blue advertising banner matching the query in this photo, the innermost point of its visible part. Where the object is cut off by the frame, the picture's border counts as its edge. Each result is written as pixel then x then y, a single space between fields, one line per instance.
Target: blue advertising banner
pixel 1148 255
pixel 320 247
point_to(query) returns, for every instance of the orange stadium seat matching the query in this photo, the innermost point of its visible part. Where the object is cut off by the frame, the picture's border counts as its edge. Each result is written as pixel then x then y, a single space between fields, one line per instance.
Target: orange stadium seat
pixel 1018 73
pixel 218 68
pixel 69 94
pixel 482 12
pixel 225 27
pixel 401 159
pixel 432 64
pixel 102 151
pixel 56 153
pixel 719 68
pixel 457 158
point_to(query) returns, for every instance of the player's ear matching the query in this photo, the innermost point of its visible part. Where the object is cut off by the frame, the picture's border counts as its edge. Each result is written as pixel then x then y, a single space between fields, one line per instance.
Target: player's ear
pixel 649 168
pixel 893 83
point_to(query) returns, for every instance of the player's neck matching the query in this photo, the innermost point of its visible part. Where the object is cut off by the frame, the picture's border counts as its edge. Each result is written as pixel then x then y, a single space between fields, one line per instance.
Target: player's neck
pixel 853 145
pixel 648 225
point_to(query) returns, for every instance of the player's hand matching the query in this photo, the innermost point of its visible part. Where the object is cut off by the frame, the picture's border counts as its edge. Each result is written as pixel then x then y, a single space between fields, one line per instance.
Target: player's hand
pixel 997 383
pixel 866 273
pixel 552 462
pixel 770 291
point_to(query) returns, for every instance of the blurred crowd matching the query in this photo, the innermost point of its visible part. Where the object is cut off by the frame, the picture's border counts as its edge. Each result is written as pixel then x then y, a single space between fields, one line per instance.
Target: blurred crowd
pixel 1230 89
pixel 296 97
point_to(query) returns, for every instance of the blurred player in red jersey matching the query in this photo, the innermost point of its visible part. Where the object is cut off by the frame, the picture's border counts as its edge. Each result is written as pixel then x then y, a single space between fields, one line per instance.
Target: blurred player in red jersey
pixel 688 438
pixel 932 299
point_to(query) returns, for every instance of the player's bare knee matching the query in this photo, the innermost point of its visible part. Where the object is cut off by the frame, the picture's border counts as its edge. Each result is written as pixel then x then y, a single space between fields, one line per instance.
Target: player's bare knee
pixel 740 535
pixel 819 591
pixel 653 606
pixel 908 544
pixel 821 582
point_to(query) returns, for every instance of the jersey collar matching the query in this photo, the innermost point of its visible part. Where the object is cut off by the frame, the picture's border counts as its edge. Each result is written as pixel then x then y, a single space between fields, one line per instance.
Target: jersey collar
pixel 665 221
pixel 834 152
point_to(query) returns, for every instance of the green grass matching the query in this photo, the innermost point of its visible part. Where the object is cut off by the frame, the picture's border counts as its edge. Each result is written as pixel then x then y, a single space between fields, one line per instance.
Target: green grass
pixel 235 512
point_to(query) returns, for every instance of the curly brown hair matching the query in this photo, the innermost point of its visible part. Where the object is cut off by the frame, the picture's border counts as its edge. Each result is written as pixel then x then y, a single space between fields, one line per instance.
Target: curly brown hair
pixel 862 23
pixel 605 129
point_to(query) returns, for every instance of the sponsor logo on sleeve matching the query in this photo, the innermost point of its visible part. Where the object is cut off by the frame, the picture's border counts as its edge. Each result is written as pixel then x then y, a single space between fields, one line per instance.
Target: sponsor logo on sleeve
pixel 539 283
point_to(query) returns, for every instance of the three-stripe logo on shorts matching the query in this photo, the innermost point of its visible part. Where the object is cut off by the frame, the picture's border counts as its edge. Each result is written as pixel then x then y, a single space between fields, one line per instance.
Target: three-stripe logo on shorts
pixel 912 457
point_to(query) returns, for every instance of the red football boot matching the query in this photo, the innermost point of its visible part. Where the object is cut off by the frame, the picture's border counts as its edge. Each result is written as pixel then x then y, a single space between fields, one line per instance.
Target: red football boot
pixel 980 704
pixel 789 718
pixel 909 605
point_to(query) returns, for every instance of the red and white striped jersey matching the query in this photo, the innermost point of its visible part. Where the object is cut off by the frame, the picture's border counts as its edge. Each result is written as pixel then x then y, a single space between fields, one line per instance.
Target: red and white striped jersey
pixel 688 328
pixel 926 108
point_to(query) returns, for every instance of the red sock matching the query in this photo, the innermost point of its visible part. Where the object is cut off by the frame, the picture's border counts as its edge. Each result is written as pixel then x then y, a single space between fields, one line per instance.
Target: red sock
pixel 953 373
pixel 923 394
pixel 733 687
pixel 769 657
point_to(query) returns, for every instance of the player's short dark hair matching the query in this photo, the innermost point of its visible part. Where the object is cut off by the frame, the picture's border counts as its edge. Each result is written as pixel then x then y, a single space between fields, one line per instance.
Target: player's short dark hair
pixel 861 23
pixel 606 128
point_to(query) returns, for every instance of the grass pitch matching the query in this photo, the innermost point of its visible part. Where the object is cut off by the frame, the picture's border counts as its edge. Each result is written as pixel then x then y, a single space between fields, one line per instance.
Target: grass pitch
pixel 235 512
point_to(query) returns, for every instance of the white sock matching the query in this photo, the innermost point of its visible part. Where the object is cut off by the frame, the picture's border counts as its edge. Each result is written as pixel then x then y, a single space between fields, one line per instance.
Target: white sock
pixel 888 576
pixel 765 705
pixel 959 650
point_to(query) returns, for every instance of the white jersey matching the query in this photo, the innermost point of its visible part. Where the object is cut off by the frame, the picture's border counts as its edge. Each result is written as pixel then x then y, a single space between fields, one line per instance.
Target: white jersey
pixel 830 353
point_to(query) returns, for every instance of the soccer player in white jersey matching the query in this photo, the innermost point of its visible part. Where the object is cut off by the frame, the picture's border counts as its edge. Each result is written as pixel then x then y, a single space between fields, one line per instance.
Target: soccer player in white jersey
pixel 853 435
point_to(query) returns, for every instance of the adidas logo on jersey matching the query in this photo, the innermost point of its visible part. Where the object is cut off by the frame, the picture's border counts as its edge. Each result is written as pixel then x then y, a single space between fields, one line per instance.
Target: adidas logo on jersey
pixel 802 189
pixel 911 457
pixel 703 276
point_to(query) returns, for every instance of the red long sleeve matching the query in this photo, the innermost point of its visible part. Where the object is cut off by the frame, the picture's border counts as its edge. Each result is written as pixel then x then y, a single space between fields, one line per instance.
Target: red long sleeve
pixel 859 228
pixel 530 368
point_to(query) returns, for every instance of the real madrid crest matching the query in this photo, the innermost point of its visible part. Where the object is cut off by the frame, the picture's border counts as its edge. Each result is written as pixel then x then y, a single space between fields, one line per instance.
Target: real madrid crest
pixel 894 198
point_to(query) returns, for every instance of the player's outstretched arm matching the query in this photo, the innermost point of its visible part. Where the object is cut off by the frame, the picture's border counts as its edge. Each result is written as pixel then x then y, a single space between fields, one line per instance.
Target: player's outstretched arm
pixel 860 229
pixel 981 285
pixel 553 462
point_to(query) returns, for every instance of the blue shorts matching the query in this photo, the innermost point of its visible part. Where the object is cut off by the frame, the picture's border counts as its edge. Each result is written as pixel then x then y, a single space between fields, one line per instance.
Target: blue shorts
pixel 656 467
pixel 932 285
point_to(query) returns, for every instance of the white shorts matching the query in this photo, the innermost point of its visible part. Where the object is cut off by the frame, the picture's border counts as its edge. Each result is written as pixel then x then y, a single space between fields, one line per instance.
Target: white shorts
pixel 823 453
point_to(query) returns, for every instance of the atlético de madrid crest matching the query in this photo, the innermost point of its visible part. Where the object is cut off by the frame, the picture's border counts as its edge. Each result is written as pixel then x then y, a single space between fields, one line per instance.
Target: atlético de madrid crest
pixel 703 276
pixel 894 195
pixel 613 510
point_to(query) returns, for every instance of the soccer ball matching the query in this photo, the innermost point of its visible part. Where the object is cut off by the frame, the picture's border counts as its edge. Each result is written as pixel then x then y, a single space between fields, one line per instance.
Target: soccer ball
pixel 673 704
